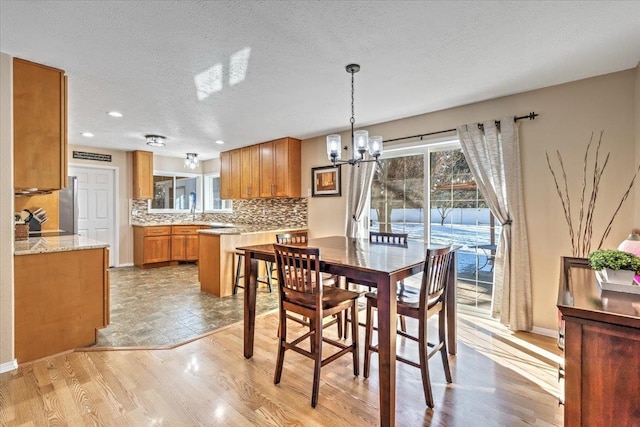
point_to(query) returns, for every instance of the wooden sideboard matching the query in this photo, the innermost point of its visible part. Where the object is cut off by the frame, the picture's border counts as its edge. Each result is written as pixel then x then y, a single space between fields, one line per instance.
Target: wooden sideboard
pixel 601 336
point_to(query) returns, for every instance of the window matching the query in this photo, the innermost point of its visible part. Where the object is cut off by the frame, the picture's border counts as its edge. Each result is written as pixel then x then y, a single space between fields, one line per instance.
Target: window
pixel 428 191
pixel 212 200
pixel 176 193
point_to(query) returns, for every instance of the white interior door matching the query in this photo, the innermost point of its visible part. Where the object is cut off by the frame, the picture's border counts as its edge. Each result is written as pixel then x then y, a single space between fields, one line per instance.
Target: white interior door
pixel 96 209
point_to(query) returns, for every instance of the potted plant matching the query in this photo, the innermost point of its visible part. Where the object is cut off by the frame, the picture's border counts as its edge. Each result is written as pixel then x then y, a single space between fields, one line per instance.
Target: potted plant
pixel 615 266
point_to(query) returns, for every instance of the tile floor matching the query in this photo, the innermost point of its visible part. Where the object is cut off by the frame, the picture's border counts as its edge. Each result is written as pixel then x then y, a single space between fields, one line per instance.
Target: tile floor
pixel 164 306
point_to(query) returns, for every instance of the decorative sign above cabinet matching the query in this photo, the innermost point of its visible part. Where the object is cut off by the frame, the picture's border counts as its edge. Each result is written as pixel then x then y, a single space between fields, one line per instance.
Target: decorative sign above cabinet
pixel 84 155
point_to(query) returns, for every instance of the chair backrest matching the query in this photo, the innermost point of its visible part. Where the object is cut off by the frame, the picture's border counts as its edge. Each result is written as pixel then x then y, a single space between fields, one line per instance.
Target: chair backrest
pixel 435 275
pixel 298 273
pixel 388 238
pixel 297 238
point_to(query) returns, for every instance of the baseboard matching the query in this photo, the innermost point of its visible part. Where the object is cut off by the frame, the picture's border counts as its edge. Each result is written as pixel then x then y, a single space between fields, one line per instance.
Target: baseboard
pixel 8 366
pixel 126 264
pixel 544 331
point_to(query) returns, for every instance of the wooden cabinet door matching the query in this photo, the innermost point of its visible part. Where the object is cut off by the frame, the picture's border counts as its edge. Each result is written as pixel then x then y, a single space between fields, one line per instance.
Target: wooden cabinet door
pixel 142 174
pixel 157 249
pixel 39 126
pixel 250 175
pixel 287 167
pixel 230 174
pixel 267 173
pixel 191 247
pixel 178 252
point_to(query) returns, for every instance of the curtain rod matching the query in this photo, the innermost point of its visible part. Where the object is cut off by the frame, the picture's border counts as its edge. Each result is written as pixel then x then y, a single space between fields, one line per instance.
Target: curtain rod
pixel 531 116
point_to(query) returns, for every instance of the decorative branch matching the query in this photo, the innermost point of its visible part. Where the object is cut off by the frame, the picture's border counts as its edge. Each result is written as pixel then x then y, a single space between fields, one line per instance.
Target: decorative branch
pixel 582 234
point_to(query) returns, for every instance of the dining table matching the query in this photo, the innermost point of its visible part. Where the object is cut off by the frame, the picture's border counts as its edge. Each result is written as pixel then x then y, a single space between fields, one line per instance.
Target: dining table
pixel 374 264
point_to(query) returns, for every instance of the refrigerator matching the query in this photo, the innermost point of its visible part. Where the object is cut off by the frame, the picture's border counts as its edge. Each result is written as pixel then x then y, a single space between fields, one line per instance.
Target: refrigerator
pixel 68 207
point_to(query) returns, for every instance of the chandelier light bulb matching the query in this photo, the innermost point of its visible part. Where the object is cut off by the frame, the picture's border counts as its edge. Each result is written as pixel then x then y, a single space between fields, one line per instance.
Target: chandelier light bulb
pixel 191 161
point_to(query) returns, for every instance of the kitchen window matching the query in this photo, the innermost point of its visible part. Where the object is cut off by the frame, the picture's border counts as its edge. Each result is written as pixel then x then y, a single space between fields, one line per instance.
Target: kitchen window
pixel 176 192
pixel 212 200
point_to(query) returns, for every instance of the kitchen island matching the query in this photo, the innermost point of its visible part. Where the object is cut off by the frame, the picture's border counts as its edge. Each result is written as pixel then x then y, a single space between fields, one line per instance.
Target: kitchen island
pixel 217 247
pixel 61 294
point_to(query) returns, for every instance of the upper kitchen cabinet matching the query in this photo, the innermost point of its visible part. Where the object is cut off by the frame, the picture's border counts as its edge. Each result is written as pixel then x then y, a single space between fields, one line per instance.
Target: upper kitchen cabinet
pixel 230 172
pixel 250 175
pixel 280 168
pixel 142 174
pixel 270 169
pixel 39 126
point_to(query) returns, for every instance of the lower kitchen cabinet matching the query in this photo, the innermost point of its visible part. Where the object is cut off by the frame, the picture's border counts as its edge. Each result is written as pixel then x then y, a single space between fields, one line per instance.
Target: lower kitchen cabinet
pixel 61 300
pixel 158 246
pixel 184 242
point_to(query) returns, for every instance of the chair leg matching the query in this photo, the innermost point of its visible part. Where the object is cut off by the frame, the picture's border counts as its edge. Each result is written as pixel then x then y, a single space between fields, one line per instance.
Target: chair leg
pixel 443 340
pixel 317 339
pixel 282 338
pixel 424 362
pixel 269 276
pixel 403 324
pixel 236 283
pixel 367 338
pixel 354 336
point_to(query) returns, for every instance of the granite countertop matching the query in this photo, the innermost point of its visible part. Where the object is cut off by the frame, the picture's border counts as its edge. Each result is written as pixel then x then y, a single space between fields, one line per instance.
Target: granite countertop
pixel 167 223
pixel 40 245
pixel 253 229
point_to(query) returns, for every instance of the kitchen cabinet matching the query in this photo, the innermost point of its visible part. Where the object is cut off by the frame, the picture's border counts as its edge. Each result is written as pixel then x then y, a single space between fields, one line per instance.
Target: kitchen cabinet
pixel 250 172
pixel 230 172
pixel 142 174
pixel 61 299
pixel 270 169
pixel 184 242
pixel 151 245
pixel 280 168
pixel 39 127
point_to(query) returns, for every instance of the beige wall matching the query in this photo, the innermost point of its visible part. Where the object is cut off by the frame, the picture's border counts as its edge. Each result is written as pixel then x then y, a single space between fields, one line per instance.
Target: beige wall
pixel 637 118
pixel 6 213
pixel 569 113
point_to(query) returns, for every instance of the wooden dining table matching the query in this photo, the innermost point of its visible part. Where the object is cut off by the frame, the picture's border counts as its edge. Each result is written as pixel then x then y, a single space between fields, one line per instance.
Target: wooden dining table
pixel 361 261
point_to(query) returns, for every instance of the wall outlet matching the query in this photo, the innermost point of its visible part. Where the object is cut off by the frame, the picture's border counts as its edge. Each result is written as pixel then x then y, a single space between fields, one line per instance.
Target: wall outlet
pixel 308 192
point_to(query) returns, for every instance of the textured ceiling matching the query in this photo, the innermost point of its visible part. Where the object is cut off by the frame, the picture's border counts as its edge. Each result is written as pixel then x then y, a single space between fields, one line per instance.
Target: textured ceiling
pixel 247 72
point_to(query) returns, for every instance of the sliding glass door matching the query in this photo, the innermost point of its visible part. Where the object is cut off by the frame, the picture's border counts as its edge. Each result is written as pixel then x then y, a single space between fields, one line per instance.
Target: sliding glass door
pixel 428 192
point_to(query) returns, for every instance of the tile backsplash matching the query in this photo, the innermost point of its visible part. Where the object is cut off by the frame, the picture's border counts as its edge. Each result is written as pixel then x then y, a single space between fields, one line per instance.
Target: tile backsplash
pixel 281 212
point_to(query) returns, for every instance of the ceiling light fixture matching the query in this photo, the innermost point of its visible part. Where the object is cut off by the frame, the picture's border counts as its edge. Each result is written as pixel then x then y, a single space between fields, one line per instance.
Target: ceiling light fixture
pixel 360 140
pixel 114 114
pixel 155 140
pixel 87 134
pixel 220 142
pixel 191 161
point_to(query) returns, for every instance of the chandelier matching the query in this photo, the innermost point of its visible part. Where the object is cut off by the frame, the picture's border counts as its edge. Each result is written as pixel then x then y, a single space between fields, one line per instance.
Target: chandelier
pixel 191 161
pixel 360 140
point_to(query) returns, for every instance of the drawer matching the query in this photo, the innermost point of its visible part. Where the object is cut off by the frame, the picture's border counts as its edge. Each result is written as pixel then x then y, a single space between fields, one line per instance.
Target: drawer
pixel 157 231
pixel 185 229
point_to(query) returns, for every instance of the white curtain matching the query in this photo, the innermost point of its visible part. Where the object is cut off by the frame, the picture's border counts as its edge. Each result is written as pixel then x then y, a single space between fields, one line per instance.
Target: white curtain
pixel 493 154
pixel 357 197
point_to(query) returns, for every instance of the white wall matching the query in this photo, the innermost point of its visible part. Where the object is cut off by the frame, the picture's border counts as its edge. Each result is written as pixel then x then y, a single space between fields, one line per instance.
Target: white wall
pixel 569 113
pixel 6 213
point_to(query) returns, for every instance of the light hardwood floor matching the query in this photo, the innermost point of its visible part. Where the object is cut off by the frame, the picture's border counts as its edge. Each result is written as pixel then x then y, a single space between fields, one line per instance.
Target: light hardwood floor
pixel 499 379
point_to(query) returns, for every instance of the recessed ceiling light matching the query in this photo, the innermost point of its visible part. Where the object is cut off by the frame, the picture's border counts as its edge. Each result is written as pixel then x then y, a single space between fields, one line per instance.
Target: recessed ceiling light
pixel 220 142
pixel 114 114
pixel 87 134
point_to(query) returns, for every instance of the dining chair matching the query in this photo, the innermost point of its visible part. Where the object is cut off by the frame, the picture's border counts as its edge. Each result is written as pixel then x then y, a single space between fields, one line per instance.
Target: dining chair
pixel 267 279
pixel 384 238
pixel 301 291
pixel 301 238
pixel 430 301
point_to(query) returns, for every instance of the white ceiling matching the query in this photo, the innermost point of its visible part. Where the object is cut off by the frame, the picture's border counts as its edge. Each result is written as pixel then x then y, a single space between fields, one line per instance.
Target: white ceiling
pixel 141 58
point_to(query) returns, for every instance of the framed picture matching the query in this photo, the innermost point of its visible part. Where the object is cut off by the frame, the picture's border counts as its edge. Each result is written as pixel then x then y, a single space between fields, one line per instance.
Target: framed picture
pixel 325 181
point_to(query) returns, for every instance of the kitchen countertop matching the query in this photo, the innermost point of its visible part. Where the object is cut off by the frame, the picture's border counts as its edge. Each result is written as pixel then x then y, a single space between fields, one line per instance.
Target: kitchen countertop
pixel 40 245
pixel 252 229
pixel 226 228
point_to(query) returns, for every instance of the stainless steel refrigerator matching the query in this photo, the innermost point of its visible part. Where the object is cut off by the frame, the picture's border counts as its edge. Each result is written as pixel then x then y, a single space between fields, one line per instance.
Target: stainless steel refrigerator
pixel 68 209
